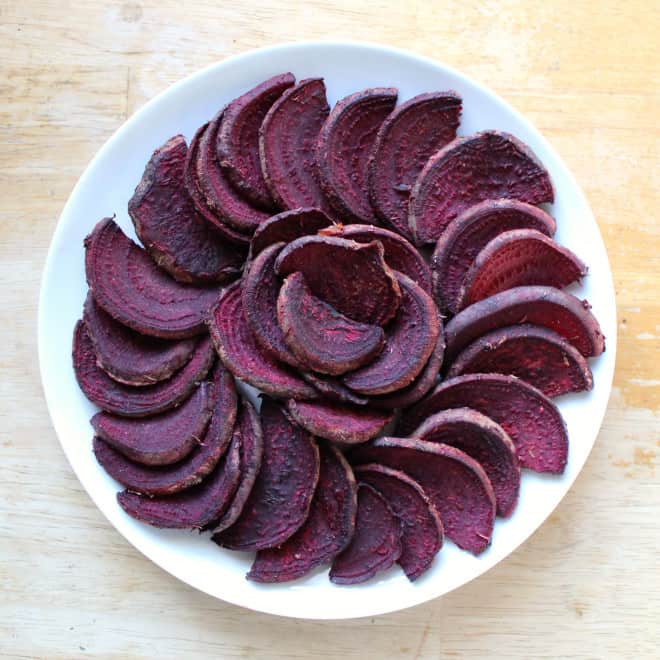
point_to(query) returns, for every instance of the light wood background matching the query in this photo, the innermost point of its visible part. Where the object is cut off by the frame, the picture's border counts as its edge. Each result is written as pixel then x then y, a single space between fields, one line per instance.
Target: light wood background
pixel 587 584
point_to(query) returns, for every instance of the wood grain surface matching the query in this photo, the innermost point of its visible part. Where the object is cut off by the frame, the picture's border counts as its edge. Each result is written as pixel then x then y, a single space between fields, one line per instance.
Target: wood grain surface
pixel 587 74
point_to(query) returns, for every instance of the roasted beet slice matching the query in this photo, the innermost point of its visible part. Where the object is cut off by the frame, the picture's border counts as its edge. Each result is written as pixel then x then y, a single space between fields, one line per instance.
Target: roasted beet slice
pixel 469 233
pixel 351 277
pixel 333 389
pixel 238 138
pixel 516 258
pixel 344 146
pixel 534 354
pixel 326 532
pixel 421 532
pixel 411 134
pixel 319 336
pixel 411 338
pixel 456 484
pixel 376 542
pixel 280 499
pixel 248 361
pixel 470 169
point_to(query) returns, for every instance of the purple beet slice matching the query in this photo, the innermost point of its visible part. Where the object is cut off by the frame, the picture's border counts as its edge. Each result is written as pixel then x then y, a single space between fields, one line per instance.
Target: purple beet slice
pixel 410 340
pixel 407 138
pixel 282 494
pixel 129 286
pixel 351 277
pixel 469 233
pixel 486 165
pixel 421 531
pixel 326 532
pixel 333 389
pixel 319 336
pixel 536 355
pixel 376 542
pixel 344 147
pixel 517 258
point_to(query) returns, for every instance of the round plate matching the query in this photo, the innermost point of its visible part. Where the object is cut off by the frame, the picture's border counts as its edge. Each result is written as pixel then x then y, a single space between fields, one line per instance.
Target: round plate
pixel 105 188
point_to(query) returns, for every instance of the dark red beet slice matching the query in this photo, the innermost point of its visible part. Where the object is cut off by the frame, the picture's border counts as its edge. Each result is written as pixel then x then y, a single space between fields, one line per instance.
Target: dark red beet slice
pixel 248 361
pixel 326 532
pixel 534 354
pixel 516 258
pixel 486 165
pixel 411 134
pixel 421 533
pixel 376 543
pixel 411 338
pixel 456 484
pixel 351 277
pixel 280 499
pixel 333 389
pixel 319 336
pixel 344 146
pixel 471 231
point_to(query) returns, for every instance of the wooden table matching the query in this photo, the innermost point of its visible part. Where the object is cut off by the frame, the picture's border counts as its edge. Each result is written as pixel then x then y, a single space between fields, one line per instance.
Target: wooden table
pixel 587 74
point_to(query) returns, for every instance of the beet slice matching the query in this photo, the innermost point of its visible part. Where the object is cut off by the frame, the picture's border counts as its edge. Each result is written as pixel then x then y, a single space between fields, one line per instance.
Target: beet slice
pixel 129 357
pixel 407 138
pixel 470 169
pixel 238 138
pixel 344 147
pixel 280 499
pixel 248 361
pixel 347 425
pixel 411 338
pixel 421 533
pixel 333 389
pixel 469 233
pixel 535 354
pixel 130 401
pixel 456 484
pixel 486 441
pixel 351 277
pixel 516 258
pixel 326 532
pixel 376 542
pixel 319 336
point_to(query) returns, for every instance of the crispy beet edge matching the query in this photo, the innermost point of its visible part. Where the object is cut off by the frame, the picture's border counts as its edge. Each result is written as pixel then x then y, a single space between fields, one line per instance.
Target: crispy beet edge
pixel 333 389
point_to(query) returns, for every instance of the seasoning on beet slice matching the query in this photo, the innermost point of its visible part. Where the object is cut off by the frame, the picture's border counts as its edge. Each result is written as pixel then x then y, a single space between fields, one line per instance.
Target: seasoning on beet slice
pixel 469 233
pixel 326 532
pixel 410 340
pixel 333 389
pixel 516 258
pixel 486 165
pixel 280 499
pixel 407 138
pixel 421 532
pixel 350 276
pixel 376 542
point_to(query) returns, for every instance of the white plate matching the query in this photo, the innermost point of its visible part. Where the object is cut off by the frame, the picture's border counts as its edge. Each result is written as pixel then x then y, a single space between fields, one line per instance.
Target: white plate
pixel 105 188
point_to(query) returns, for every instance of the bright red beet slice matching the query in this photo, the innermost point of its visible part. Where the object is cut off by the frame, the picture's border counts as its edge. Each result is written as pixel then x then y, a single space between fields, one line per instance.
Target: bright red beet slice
pixel 421 533
pixel 486 165
pixel 326 532
pixel 376 543
pixel 333 389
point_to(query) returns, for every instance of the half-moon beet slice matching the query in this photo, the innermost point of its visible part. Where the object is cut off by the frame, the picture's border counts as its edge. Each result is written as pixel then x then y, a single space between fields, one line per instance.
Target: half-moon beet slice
pixel 280 499
pixel 411 134
pixel 128 285
pixel 319 336
pixel 469 233
pixel 238 138
pixel 486 165
pixel 351 277
pixel 333 389
pixel 376 542
pixel 535 354
pixel 517 258
pixel 410 340
pixel 344 147
pixel 326 532
pixel 422 533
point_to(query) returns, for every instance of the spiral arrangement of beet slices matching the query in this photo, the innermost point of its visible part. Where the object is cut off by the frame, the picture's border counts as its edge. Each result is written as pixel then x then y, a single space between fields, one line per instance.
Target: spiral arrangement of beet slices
pixel 402 397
